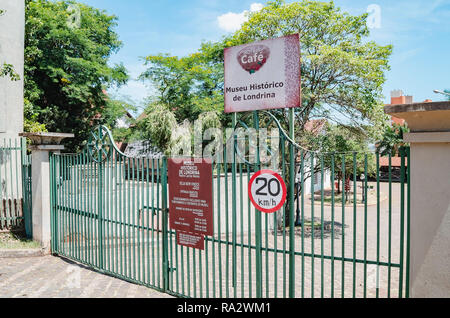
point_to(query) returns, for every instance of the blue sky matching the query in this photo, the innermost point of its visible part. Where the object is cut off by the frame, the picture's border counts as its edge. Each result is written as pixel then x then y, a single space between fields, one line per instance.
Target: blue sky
pixel 419 31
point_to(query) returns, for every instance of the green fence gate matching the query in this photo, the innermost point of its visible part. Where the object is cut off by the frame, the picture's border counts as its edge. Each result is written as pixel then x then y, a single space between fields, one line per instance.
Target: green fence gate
pixel 15 185
pixel 111 212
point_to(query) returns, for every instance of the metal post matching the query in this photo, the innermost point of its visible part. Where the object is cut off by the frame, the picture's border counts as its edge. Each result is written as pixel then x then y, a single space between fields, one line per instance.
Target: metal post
pixel 258 233
pixel 233 166
pixel 291 207
pixel 100 206
pixel 165 211
pixel 25 190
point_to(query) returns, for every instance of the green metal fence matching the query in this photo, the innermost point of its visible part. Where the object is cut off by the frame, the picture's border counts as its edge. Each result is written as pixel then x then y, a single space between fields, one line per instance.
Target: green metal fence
pixel 111 212
pixel 15 184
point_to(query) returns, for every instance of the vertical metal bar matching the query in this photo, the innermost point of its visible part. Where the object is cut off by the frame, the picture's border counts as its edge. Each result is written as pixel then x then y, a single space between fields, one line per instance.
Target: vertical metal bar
pixel 390 227
pixel 343 228
pixel 153 221
pixel 148 212
pixel 116 164
pixel 107 216
pixel 7 212
pixel 332 223
pixel 24 169
pixel 72 218
pixel 165 224
pixel 312 162
pixel 227 232
pixel 10 199
pixel 134 216
pixel 365 225
pixel 302 182
pixel 100 208
pixel 354 223
pixel 291 206
pixel 322 196
pixel 194 272
pixel 159 218
pixel 241 201
pixel 283 168
pixel 402 221
pixel 378 223
pixel 121 196
pixel 64 203
pixel 234 211
pixel 258 219
pixel 219 225
pixel 78 207
pixel 128 219
pixel 18 197
pixel 249 225
pixel 138 218
pixel 408 220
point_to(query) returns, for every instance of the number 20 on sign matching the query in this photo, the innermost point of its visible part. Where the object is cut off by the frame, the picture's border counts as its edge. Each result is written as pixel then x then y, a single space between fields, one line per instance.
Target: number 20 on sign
pixel 267 191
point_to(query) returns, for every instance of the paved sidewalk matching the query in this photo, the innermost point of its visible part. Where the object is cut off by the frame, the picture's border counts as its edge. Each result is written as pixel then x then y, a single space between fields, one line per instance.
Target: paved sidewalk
pixel 54 277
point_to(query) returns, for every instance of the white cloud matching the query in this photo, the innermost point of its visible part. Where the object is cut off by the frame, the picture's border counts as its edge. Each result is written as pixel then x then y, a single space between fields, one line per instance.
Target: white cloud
pixel 231 21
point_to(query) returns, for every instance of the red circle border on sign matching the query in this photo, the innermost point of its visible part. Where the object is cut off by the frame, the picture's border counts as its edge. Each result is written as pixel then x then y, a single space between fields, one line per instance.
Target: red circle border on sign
pixel 283 187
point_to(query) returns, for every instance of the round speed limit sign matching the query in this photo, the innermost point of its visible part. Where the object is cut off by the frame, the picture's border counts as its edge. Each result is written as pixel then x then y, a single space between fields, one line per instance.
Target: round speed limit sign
pixel 267 191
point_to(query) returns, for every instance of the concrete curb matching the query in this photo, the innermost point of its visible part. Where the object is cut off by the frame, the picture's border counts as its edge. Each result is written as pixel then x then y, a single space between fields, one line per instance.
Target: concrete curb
pixel 22 253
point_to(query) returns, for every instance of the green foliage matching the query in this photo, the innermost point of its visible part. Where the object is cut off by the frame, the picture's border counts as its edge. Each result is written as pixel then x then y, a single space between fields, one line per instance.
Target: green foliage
pixel 8 70
pixel 158 126
pixel 392 140
pixel 118 110
pixel 31 123
pixel 343 143
pixel 66 65
pixel 187 85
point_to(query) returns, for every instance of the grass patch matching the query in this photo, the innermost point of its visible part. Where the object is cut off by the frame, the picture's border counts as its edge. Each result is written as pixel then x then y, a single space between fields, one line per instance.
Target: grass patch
pixel 16 239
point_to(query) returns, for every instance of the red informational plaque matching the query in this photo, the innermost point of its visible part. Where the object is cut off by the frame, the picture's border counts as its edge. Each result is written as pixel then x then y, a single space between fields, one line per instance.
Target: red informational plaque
pixel 191 240
pixel 263 75
pixel 190 196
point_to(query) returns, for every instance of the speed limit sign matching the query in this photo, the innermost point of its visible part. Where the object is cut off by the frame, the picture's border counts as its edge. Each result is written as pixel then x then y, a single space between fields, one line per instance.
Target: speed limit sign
pixel 267 191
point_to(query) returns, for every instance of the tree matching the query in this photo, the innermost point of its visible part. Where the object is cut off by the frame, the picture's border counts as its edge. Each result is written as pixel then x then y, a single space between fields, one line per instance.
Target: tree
pixel 188 86
pixel 67 49
pixel 158 126
pixel 392 140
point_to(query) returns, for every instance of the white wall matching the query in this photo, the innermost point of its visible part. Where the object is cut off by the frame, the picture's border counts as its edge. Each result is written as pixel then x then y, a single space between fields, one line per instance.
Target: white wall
pixel 12 24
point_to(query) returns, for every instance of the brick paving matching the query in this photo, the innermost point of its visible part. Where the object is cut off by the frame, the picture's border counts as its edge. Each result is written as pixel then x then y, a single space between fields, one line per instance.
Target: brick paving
pixel 54 277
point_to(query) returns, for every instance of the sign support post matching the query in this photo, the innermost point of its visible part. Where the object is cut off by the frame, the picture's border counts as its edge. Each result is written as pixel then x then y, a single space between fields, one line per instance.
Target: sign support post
pixel 291 206
pixel 165 221
pixel 233 165
pixel 258 217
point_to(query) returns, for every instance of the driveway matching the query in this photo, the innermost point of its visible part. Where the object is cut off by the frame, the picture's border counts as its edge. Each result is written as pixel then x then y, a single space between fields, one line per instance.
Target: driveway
pixel 54 277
